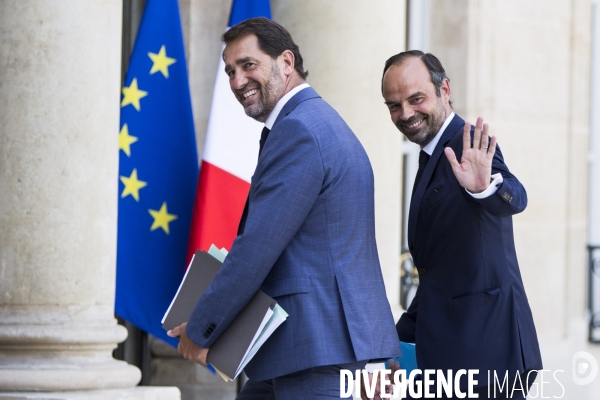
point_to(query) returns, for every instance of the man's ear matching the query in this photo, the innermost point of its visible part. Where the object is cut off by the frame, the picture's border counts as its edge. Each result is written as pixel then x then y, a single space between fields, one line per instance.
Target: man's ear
pixel 445 90
pixel 286 62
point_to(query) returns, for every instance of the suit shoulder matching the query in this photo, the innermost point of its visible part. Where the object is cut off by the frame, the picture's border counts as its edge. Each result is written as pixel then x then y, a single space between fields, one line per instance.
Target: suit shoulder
pixel 313 105
pixel 317 113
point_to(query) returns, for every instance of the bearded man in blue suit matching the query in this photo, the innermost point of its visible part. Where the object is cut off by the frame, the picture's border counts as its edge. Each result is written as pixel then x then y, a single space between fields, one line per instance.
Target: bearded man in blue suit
pixel 307 235
pixel 470 310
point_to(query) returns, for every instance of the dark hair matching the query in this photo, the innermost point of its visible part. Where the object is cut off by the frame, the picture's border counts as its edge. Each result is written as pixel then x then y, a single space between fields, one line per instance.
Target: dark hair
pixel 273 39
pixel 434 66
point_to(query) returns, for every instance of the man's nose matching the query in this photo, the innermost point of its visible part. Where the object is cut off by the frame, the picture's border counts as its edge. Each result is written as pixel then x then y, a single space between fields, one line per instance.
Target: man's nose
pixel 238 81
pixel 406 113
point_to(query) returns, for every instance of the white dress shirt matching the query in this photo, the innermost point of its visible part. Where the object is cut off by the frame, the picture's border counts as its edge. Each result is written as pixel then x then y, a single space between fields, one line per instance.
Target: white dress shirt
pixel 282 101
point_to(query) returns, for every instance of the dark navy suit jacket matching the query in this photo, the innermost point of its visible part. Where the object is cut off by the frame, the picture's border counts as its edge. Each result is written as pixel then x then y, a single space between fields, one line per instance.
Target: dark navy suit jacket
pixel 309 242
pixel 470 310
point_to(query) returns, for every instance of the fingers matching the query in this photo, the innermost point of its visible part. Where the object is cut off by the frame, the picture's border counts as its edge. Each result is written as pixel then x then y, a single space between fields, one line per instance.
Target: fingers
pixel 393 366
pixel 363 389
pixel 451 157
pixel 389 388
pixel 176 332
pixel 485 140
pixel 488 143
pixel 201 360
pixel 492 149
pixel 481 139
pixel 467 136
pixel 477 139
pixel 203 357
pixel 173 332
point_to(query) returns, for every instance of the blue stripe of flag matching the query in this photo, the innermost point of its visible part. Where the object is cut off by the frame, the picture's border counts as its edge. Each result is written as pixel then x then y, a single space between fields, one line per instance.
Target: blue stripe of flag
pixel 242 10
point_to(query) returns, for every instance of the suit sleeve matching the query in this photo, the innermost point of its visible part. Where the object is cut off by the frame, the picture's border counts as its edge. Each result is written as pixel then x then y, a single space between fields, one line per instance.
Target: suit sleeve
pixel 285 187
pixel 407 323
pixel 510 198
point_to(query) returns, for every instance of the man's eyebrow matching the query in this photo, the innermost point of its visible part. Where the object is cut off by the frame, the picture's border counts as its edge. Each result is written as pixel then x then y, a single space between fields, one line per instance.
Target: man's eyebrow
pixel 238 62
pixel 412 96
pixel 243 60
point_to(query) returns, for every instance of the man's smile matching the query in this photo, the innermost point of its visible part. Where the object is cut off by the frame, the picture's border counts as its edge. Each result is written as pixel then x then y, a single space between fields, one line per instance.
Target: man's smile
pixel 415 124
pixel 250 93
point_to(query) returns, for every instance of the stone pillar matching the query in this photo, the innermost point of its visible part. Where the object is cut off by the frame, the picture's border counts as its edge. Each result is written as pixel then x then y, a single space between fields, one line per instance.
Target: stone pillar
pixel 193 380
pixel 59 120
pixel 345 44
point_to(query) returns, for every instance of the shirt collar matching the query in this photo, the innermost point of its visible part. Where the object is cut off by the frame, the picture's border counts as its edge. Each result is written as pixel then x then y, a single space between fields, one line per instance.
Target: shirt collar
pixel 279 106
pixel 431 145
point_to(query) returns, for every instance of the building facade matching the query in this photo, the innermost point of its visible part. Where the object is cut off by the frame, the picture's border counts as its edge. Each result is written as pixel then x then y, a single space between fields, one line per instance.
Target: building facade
pixel 528 67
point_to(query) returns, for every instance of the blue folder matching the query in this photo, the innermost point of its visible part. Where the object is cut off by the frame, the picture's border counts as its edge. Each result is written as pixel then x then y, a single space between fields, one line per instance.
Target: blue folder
pixel 408 360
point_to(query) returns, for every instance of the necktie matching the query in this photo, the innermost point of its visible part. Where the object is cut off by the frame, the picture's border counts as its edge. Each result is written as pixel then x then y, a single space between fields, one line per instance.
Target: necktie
pixel 423 158
pixel 263 139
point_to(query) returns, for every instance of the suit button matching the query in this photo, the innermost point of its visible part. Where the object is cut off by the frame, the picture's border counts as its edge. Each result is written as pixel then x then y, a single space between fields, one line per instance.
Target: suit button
pixel 507 197
pixel 421 271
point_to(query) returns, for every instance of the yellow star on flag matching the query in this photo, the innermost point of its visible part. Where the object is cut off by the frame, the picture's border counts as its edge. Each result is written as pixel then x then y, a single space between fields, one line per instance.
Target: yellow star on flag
pixel 125 140
pixel 132 185
pixel 161 62
pixel 162 218
pixel 133 95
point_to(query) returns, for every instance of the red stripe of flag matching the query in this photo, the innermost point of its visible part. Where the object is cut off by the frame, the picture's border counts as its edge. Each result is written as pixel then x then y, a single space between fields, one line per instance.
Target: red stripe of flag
pixel 218 207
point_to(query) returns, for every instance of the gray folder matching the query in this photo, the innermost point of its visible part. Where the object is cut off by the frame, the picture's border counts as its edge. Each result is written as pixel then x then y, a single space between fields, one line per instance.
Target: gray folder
pixel 228 350
pixel 201 272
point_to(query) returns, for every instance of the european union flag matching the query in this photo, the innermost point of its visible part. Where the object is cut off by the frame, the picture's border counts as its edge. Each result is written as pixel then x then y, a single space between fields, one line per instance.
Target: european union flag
pixel 158 169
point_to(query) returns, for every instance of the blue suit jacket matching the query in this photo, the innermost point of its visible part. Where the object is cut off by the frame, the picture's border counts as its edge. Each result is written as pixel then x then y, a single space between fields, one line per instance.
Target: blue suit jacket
pixel 309 242
pixel 470 310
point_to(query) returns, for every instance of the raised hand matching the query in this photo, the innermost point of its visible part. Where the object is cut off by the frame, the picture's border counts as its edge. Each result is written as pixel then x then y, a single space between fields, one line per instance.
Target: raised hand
pixel 475 167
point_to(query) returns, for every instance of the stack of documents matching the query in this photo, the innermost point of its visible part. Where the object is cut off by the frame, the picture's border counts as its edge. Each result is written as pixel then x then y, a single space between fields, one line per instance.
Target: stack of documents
pixel 240 341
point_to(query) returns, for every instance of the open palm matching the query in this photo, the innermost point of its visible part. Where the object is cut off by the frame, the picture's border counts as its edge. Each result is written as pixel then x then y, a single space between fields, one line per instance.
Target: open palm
pixel 475 167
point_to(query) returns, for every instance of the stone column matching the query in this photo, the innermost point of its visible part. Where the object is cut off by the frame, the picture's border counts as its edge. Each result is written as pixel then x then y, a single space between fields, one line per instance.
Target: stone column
pixel 345 44
pixel 59 120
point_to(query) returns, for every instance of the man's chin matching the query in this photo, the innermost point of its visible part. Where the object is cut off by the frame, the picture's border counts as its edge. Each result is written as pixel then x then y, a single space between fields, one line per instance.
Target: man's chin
pixel 251 111
pixel 416 137
pixel 255 114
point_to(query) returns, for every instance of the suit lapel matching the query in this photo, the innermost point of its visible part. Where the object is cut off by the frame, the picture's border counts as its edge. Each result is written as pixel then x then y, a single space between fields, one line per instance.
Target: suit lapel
pixel 415 203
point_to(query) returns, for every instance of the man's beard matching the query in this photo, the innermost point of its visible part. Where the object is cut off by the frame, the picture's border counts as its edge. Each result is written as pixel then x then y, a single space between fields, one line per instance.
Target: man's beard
pixel 433 122
pixel 268 95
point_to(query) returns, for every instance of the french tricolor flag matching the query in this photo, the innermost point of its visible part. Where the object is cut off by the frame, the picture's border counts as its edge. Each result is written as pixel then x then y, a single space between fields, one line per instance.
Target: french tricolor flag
pixel 229 157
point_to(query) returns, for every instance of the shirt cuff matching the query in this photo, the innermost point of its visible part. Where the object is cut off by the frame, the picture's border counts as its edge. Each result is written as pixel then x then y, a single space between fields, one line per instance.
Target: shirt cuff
pixel 496 181
pixel 372 367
